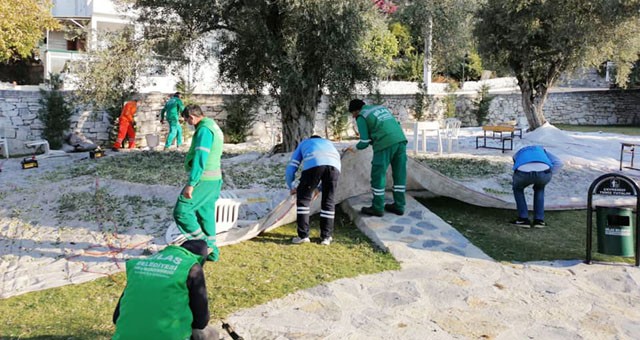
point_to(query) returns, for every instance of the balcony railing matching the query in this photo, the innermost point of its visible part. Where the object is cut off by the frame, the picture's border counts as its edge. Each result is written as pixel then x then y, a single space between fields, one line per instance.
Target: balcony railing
pixel 55 60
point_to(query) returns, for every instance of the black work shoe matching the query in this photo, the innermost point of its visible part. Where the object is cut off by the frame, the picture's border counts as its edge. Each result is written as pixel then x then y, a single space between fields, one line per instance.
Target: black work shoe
pixel 371 211
pixel 539 224
pixel 522 222
pixel 393 209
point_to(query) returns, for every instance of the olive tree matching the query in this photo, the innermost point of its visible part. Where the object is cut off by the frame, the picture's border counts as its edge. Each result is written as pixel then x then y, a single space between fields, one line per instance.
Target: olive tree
pixel 442 31
pixel 111 72
pixel 295 49
pixel 538 40
pixel 22 26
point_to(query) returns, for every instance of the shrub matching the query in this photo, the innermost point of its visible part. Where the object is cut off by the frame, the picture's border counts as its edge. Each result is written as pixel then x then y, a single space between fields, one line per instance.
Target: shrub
pixel 55 113
pixel 482 104
pixel 450 100
pixel 337 119
pixel 421 104
pixel 474 67
pixel 409 68
pixel 186 89
pixel 466 68
pixel 240 117
pixel 376 97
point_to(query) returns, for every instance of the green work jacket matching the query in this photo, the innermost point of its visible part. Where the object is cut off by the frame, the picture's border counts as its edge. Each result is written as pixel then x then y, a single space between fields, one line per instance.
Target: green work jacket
pixel 203 158
pixel 172 108
pixel 378 128
pixel 155 303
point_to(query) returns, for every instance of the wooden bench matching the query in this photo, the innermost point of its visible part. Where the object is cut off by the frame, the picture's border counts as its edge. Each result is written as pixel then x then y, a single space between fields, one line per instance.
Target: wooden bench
pixel 502 133
pixel 499 130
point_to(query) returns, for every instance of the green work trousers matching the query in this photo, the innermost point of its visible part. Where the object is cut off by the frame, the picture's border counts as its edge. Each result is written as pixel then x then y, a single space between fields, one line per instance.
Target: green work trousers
pixel 175 132
pixel 396 155
pixel 196 217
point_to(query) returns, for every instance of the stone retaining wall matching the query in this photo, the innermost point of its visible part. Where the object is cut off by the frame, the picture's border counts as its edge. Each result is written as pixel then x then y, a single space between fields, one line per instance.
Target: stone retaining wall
pixel 612 107
pixel 19 113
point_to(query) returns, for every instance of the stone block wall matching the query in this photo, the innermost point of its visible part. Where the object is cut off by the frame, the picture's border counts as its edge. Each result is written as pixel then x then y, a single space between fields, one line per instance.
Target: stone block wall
pixel 584 77
pixel 19 113
pixel 18 110
pixel 611 107
pixel 19 118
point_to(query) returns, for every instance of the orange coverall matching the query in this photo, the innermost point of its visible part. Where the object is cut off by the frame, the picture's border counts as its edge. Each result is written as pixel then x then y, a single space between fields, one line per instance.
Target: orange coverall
pixel 126 125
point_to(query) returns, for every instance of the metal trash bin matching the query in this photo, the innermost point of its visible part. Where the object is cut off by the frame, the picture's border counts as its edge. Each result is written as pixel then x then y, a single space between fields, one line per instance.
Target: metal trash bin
pixel 615 231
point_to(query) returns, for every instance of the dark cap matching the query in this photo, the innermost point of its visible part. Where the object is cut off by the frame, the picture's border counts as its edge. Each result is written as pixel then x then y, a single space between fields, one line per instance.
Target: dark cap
pixel 355 105
pixel 198 247
pixel 177 94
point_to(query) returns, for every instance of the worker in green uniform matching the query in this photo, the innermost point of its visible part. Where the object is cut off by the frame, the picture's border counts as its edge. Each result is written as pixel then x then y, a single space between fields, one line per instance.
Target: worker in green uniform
pixel 173 107
pixel 377 127
pixel 166 296
pixel 195 211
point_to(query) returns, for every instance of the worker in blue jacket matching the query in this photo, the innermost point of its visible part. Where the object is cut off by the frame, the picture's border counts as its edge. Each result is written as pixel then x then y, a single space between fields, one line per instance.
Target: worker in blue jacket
pixel 320 162
pixel 532 165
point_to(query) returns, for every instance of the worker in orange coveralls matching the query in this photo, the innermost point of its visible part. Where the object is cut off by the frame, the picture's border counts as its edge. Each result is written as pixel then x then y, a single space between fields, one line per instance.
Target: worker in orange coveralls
pixel 127 125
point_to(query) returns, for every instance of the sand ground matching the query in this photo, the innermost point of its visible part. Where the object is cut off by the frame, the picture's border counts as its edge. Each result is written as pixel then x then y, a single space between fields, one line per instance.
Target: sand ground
pixel 48 237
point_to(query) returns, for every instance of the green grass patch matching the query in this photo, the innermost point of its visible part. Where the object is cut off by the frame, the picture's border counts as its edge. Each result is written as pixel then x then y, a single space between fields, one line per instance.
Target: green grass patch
pixel 248 274
pixel 464 168
pixel 625 130
pixel 488 228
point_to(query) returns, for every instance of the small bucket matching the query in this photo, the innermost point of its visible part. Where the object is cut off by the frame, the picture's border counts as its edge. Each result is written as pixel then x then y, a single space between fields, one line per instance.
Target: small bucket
pixel 152 140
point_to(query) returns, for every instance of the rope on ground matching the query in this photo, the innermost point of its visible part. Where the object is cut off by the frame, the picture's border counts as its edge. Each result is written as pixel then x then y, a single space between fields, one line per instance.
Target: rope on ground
pixel 113 250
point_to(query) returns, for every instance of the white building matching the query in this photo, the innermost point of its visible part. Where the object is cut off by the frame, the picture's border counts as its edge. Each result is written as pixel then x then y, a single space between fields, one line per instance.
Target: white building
pixel 96 16
pixel 90 15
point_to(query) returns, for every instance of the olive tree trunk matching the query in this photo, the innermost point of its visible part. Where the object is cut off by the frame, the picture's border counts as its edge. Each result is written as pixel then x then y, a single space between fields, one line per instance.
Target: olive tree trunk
pixel 298 116
pixel 532 103
pixel 535 90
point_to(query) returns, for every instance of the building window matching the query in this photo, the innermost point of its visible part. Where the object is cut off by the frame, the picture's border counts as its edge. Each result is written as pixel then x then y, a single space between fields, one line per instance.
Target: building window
pixel 77 44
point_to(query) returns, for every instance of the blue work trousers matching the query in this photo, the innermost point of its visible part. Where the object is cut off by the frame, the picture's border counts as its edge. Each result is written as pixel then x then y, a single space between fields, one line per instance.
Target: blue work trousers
pixel 521 180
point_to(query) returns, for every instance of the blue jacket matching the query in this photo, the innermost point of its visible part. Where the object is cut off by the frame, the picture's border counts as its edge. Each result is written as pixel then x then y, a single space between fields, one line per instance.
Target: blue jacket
pixel 310 153
pixel 536 153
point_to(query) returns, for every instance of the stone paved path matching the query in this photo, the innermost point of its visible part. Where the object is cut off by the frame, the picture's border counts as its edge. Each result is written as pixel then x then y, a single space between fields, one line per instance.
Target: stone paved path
pixel 449 289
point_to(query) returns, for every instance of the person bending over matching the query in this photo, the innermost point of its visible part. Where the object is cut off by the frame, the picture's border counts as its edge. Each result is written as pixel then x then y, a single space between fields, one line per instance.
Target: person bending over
pixel 532 165
pixel 320 163
pixel 166 296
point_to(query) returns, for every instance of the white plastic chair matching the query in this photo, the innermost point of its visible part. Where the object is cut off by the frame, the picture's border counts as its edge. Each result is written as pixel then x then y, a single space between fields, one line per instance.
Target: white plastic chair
pixel 451 131
pixel 226 214
pixel 227 209
pixel 4 143
pixel 424 127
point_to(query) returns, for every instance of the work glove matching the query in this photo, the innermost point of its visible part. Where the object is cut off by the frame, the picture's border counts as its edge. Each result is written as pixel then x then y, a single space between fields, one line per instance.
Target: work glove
pixel 348 149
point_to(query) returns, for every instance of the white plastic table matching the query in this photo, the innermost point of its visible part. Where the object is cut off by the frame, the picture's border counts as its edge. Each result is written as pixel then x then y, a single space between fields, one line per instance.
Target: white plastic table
pixel 423 128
